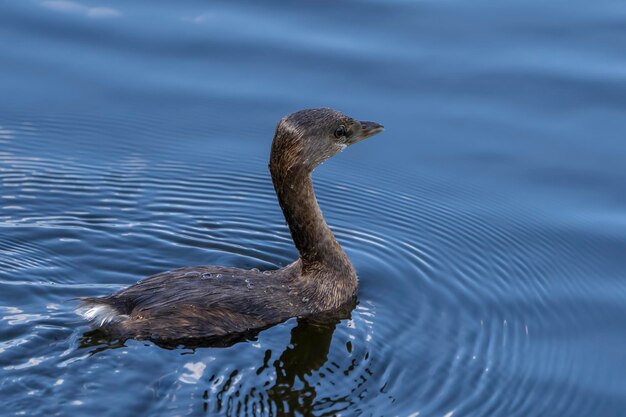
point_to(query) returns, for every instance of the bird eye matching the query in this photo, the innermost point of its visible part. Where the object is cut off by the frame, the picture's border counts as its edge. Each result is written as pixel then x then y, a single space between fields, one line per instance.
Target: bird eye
pixel 340 131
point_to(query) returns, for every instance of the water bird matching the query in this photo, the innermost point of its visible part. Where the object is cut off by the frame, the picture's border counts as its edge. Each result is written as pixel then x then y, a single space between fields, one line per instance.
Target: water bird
pixel 219 302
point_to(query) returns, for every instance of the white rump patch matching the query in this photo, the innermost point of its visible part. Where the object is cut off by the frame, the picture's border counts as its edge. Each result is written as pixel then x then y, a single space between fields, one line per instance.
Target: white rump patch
pixel 100 314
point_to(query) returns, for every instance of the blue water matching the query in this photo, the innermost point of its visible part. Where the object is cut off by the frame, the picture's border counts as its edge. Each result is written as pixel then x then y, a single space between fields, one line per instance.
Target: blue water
pixel 487 223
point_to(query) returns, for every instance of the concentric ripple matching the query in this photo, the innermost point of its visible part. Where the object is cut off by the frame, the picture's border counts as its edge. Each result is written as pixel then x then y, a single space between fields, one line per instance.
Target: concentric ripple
pixel 460 292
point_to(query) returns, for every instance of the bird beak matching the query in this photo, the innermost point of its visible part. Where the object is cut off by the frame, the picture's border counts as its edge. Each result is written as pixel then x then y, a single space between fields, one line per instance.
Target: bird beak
pixel 368 129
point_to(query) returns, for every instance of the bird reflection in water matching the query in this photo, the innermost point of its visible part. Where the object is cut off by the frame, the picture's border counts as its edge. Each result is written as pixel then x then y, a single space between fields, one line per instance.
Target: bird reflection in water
pixel 286 386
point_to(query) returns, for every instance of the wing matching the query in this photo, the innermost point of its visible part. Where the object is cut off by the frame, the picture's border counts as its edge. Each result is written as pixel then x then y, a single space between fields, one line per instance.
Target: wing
pixel 198 302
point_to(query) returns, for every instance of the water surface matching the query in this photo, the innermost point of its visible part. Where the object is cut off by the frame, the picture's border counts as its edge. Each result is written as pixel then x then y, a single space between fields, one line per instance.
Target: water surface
pixel 487 223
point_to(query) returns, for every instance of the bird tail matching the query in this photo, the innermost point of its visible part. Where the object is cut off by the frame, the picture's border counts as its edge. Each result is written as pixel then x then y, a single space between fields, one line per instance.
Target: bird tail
pixel 99 312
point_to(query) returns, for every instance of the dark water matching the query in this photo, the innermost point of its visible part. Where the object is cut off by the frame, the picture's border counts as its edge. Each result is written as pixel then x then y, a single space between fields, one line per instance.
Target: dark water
pixel 488 223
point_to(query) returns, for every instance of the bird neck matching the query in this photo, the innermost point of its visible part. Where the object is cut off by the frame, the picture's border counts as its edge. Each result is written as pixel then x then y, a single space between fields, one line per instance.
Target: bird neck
pixel 318 248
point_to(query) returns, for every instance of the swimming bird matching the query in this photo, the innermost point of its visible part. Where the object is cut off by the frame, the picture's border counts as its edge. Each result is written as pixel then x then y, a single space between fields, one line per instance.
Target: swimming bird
pixel 213 302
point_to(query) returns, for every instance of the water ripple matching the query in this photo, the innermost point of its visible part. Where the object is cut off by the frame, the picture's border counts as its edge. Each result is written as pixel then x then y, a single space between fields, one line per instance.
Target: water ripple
pixel 461 281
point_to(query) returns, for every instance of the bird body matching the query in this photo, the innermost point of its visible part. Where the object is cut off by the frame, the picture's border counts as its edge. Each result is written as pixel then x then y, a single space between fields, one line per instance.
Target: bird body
pixel 224 303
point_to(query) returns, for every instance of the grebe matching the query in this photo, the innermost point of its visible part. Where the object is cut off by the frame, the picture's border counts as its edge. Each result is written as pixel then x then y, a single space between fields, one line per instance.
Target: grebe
pixel 212 302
